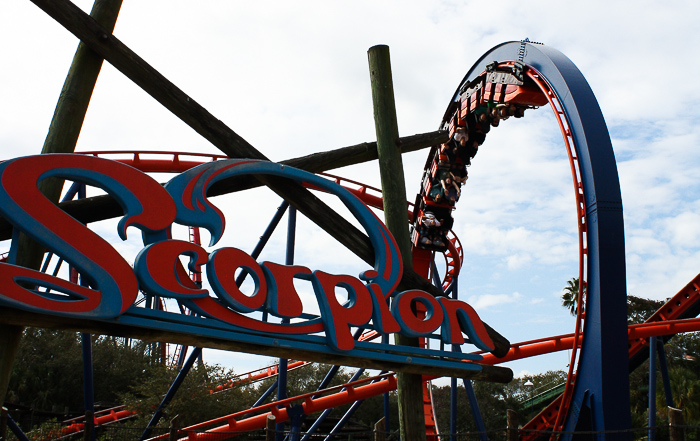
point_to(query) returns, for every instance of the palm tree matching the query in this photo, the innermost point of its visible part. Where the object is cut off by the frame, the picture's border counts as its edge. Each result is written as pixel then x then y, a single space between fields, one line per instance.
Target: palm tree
pixel 570 297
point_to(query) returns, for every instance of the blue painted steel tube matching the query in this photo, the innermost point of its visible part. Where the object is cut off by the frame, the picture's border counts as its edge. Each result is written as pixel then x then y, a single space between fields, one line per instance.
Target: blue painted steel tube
pixel 266 394
pixel 296 417
pixel 343 420
pixel 474 404
pixel 434 272
pixel 325 413
pixel 265 237
pixel 88 383
pixel 333 371
pixel 453 409
pixel 329 377
pixel 664 371
pixel 652 389
pixel 171 392
pixel 453 381
pixel 281 393
pixel 288 260
pixel 16 429
pixel 602 379
pixel 76 188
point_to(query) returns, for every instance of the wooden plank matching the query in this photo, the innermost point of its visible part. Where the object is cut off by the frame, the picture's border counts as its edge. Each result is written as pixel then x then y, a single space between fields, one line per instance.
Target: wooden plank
pixel 99 208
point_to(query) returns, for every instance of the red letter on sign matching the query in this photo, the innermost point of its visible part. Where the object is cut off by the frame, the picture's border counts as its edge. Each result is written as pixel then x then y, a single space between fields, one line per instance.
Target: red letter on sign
pixel 221 269
pixel 157 265
pixel 411 324
pixel 338 318
pixel 459 313
pixel 280 279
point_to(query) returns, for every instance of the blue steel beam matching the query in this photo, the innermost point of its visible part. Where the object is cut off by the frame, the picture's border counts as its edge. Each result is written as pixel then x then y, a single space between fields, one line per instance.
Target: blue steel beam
pixel 282 370
pixel 171 392
pixel 325 413
pixel 330 375
pixel 453 409
pixel 602 381
pixel 265 395
pixel 88 383
pixel 265 237
pixel 16 429
pixel 476 412
pixel 664 371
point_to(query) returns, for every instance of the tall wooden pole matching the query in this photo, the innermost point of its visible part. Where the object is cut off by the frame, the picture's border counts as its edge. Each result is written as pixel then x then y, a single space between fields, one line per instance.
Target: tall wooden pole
pixel 61 138
pixel 411 417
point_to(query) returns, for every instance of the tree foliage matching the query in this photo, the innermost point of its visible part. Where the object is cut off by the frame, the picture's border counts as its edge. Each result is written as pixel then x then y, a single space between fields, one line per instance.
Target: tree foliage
pixel 682 354
pixel 494 399
pixel 194 401
pixel 48 369
pixel 569 298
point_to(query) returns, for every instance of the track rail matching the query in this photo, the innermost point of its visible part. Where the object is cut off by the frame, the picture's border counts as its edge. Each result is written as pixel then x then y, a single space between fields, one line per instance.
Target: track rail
pixel 581 211
pixel 672 318
pixel 239 422
pixel 534 75
pixel 506 89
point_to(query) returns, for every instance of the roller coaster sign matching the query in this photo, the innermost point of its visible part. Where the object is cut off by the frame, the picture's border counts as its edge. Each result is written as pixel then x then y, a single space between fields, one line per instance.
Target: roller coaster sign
pixel 110 285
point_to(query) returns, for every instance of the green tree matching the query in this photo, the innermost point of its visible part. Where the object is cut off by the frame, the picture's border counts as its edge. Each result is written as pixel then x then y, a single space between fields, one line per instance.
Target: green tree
pixel 48 369
pixel 639 309
pixel 194 401
pixel 494 400
pixel 569 298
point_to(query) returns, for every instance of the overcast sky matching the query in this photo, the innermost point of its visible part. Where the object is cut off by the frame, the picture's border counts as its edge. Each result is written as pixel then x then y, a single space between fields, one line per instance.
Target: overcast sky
pixel 292 79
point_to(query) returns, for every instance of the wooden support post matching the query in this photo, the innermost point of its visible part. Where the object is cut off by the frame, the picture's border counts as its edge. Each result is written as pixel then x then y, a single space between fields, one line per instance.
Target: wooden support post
pixel 411 417
pixel 379 432
pixel 270 428
pixel 75 95
pixel 61 138
pixel 3 423
pixel 174 426
pixel 512 422
pixel 89 429
pixel 676 424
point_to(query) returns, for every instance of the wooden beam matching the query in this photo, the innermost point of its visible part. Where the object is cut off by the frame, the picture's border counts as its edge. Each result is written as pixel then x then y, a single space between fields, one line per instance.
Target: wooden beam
pixel 61 138
pixel 409 385
pixel 99 208
pixel 367 151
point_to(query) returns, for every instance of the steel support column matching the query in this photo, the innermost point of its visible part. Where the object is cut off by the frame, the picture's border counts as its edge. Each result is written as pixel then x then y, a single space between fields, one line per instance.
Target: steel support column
pixel 600 399
pixel 171 392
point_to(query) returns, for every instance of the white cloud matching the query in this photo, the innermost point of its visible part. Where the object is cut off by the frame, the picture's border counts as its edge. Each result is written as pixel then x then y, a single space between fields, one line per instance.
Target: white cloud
pixel 489 300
